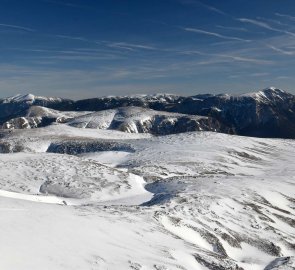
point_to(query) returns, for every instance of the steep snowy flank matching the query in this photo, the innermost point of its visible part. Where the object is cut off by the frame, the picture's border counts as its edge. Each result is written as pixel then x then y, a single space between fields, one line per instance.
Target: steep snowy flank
pixel 37 116
pixel 140 120
pixel 266 113
pixel 127 119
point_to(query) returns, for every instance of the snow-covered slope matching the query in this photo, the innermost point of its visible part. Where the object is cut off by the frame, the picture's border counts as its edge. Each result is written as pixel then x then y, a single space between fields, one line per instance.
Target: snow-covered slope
pixel 211 201
pixel 28 98
pixel 68 177
pixel 37 116
pixel 266 113
pixel 127 119
pixel 141 120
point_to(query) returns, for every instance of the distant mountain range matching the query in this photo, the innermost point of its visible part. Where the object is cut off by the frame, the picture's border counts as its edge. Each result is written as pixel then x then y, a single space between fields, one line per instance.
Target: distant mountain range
pixel 267 113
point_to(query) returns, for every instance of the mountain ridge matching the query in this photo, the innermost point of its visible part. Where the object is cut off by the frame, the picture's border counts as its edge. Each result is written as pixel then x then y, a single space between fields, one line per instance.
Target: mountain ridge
pixel 30 96
pixel 266 113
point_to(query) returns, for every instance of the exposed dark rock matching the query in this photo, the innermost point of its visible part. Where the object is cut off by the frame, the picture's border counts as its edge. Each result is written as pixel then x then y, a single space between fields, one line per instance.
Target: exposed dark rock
pixel 267 113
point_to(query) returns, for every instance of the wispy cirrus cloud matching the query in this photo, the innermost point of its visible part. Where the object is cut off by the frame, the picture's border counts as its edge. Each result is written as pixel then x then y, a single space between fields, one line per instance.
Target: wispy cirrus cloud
pixel 89 8
pixel 17 27
pixel 199 3
pixel 292 18
pixel 257 23
pixel 74 38
pixel 259 74
pixel 200 31
pixel 67 4
pixel 255 74
pixel 281 51
pixel 110 44
pixel 265 26
pixel 214 9
pixel 233 28
pixel 246 59
pixel 282 77
pixel 80 58
pixel 272 21
pixel 129 46
pixel 225 57
pixel 85 55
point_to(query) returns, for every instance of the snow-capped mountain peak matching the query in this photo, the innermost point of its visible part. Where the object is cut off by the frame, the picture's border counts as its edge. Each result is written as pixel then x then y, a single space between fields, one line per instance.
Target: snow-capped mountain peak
pixel 267 94
pixel 267 113
pixel 19 98
pixel 29 99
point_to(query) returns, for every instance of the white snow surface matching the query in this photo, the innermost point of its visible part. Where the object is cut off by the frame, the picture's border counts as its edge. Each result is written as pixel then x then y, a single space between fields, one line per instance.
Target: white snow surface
pixel 189 201
pixel 263 95
pixel 29 98
pixel 128 119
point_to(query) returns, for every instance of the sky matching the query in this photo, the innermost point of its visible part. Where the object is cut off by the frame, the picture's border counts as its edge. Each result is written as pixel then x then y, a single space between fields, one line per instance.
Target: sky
pixel 88 48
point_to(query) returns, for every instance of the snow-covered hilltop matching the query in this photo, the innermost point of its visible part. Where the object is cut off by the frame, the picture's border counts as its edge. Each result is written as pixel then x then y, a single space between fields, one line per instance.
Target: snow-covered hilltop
pixel 266 113
pixel 29 98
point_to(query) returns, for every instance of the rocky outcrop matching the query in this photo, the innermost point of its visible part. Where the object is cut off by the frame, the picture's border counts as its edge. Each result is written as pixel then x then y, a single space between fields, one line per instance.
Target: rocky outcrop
pixel 142 120
pixel 267 113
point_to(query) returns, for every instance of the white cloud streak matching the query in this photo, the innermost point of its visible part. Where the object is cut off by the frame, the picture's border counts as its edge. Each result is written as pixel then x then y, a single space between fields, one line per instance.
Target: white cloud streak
pixel 67 4
pixel 114 45
pixel 281 51
pixel 265 26
pixel 233 28
pixel 220 57
pixel 74 38
pixel 130 46
pixel 292 18
pixel 17 27
pixel 200 31
pixel 214 9
pixel 199 3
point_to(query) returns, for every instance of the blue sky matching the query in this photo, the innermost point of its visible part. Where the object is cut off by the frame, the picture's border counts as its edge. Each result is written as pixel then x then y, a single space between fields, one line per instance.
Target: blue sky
pixel 87 48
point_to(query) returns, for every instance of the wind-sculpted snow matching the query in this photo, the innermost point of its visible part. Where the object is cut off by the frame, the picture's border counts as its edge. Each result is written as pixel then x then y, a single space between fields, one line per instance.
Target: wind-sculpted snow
pixel 67 177
pixel 211 201
pixel 55 138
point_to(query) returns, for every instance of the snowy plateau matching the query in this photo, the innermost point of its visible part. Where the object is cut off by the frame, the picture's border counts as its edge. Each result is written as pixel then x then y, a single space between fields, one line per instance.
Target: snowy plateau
pixel 148 182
